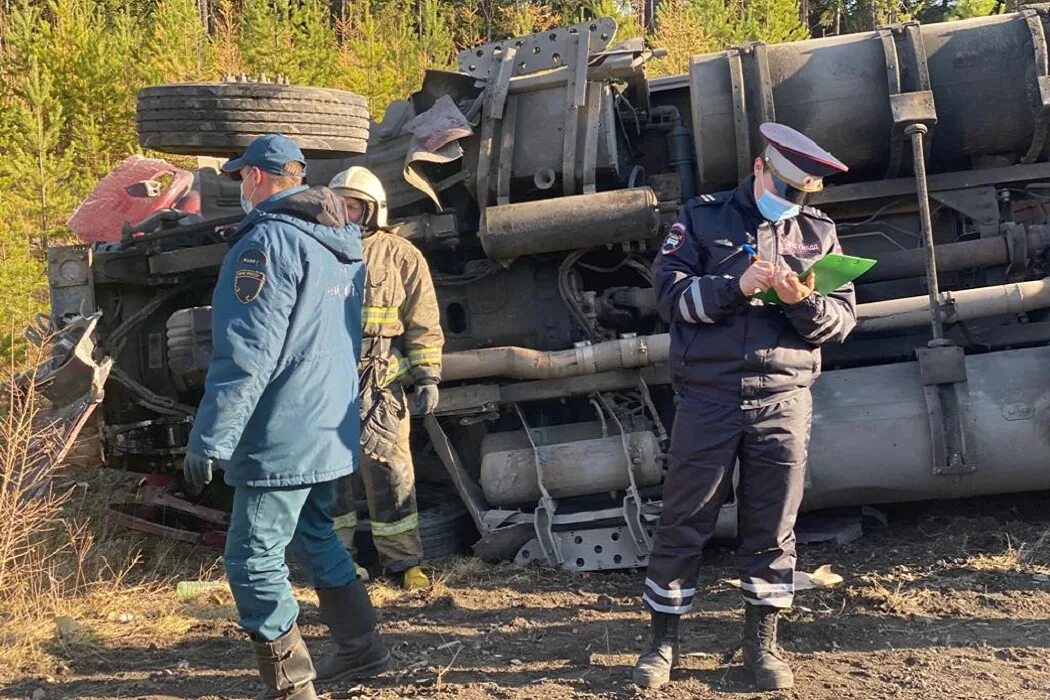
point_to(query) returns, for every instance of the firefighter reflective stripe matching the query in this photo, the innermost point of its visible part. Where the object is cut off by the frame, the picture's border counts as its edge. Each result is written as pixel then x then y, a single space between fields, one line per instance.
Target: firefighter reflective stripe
pixel 397 369
pixel 424 356
pixel 345 521
pixel 406 524
pixel 380 314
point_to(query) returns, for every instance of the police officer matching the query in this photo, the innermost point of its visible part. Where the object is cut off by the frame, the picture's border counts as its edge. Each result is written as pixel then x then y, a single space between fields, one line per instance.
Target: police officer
pixel 742 370
pixel 402 344
pixel 275 417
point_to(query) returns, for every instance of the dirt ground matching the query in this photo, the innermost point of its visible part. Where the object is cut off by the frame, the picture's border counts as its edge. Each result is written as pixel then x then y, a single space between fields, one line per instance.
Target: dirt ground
pixel 951 600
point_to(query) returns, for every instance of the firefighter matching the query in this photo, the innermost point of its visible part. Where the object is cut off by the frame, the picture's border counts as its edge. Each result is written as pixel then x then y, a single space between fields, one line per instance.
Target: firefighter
pixel 402 344
pixel 285 312
pixel 742 372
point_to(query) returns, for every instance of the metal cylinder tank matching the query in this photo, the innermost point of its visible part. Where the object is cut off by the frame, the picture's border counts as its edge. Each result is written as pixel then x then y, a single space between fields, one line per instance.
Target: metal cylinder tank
pixel 871 432
pixel 569 223
pixel 984 76
pixel 576 458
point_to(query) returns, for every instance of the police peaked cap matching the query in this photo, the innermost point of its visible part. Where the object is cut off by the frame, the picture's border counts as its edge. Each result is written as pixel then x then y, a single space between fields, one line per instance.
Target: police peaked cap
pixel 801 151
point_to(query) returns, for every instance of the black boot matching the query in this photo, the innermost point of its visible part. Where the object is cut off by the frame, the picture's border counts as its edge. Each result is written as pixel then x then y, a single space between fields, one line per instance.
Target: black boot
pixel 761 653
pixel 653 668
pixel 285 667
pixel 351 619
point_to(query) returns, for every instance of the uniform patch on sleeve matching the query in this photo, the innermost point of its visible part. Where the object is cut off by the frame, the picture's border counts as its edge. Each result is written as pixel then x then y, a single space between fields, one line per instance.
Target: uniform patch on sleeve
pixel 253 257
pixel 675 239
pixel 248 284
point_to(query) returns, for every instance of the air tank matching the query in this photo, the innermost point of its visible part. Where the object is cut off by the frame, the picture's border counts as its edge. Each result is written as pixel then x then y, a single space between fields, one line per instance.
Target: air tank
pixel 986 77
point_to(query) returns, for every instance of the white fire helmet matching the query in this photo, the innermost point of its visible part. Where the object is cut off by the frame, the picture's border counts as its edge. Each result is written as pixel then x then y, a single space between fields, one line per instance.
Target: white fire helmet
pixel 361 183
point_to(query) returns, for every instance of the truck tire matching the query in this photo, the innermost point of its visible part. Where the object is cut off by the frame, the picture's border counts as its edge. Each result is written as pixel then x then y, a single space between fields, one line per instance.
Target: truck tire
pixel 221 119
pixel 445 530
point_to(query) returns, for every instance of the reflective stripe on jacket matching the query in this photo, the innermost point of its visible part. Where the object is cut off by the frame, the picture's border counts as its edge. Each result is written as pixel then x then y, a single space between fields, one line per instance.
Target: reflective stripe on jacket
pixel 400 303
pixel 731 348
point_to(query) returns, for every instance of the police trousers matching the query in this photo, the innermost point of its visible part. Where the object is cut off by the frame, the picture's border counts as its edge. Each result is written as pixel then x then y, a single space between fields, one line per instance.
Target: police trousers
pixel 390 491
pixel 266 522
pixel 770 445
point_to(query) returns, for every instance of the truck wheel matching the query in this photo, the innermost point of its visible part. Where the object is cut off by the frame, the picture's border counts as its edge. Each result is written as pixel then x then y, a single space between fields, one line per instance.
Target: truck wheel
pixel 221 119
pixel 445 530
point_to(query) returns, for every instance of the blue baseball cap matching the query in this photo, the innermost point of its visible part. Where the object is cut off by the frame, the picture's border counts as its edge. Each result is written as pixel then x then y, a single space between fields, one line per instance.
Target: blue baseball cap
pixel 270 153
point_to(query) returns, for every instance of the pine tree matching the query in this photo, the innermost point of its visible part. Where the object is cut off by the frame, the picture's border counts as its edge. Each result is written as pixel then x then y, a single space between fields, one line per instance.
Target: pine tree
pixel 680 30
pixel 266 38
pixel 224 44
pixel 177 48
pixel 314 42
pixel 436 43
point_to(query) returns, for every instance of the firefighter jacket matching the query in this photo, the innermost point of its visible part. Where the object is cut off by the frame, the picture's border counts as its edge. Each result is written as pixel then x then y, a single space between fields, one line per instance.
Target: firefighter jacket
pixel 726 347
pixel 401 307
pixel 280 407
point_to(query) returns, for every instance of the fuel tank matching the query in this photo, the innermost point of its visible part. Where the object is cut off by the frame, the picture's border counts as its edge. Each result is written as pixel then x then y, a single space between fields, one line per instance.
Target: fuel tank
pixel 985 78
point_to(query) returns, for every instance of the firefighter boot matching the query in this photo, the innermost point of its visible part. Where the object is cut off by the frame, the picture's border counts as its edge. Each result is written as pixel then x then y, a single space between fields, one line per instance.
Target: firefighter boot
pixel 285 668
pixel 414 579
pixel 360 651
pixel 761 653
pixel 653 668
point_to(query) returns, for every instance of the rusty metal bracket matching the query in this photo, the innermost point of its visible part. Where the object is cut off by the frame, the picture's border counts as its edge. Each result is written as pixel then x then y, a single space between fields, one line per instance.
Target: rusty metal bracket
pixel 908 85
pixel 575 99
pixel 1017 249
pixel 495 100
pixel 541 51
pixel 1034 21
pixel 547 507
pixel 741 127
pixel 977 203
pixel 590 141
pixel 942 366
pixel 506 152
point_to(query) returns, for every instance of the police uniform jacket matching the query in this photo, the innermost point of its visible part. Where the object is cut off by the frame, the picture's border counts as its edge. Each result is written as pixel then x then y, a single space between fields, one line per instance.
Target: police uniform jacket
pixel 726 347
pixel 280 405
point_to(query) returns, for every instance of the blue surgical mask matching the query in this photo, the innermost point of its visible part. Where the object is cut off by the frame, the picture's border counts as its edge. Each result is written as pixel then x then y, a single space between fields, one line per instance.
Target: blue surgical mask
pixel 775 208
pixel 246 204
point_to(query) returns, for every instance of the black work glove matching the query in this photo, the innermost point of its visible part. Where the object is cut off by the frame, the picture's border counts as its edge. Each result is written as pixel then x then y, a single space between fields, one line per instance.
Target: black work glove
pixel 426 398
pixel 197 469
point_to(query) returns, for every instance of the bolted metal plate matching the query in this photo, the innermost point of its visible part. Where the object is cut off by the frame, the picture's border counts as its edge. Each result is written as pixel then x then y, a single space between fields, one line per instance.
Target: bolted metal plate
pixel 554 48
pixel 596 549
pixel 942 365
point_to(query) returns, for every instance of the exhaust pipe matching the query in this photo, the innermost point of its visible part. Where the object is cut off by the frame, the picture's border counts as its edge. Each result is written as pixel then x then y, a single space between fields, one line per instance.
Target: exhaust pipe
pixel 627 353
pixel 964 305
pixel 526 363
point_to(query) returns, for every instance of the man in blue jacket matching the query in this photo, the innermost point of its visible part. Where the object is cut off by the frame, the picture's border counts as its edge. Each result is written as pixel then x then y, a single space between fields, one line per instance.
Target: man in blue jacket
pixel 280 415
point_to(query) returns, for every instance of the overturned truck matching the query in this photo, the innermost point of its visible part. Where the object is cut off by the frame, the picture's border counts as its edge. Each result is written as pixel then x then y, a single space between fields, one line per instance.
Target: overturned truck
pixel 539 179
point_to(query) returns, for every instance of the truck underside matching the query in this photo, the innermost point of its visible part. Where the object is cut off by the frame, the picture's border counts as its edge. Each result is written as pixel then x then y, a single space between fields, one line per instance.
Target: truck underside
pixel 539 181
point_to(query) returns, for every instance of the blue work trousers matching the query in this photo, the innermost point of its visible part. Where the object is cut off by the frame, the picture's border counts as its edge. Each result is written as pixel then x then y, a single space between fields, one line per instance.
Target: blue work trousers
pixel 264 523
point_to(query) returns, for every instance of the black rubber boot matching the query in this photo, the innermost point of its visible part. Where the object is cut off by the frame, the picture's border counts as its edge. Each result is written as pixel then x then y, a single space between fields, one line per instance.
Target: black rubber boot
pixel 761 653
pixel 285 668
pixel 360 651
pixel 653 668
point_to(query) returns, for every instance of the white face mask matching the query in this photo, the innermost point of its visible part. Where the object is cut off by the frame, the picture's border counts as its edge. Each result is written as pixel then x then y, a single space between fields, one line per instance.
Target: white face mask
pixel 246 203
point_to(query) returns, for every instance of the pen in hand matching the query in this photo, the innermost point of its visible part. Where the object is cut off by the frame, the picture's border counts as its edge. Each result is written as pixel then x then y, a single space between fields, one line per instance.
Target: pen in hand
pixel 750 250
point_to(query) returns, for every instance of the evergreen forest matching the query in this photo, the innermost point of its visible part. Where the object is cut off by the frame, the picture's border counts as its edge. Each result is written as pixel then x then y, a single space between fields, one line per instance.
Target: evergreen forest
pixel 70 71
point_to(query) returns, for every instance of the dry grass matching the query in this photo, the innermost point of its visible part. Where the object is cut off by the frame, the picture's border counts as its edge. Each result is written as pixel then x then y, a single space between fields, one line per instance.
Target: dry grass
pixel 1016 557
pixel 69 583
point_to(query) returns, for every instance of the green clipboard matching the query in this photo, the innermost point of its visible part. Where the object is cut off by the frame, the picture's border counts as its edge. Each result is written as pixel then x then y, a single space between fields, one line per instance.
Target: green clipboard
pixel 833 271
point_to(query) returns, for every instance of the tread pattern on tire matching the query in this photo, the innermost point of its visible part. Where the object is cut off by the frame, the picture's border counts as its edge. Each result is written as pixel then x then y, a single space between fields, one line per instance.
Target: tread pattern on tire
pixel 221 119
